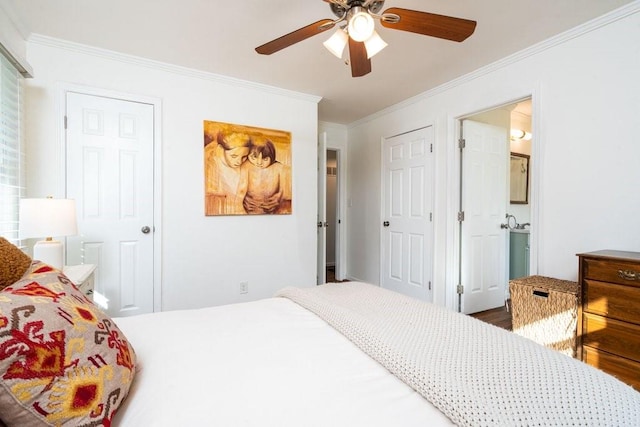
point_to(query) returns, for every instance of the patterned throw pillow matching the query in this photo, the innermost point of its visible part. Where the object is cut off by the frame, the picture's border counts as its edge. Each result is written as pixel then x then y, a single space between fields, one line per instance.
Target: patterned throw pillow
pixel 62 360
pixel 13 263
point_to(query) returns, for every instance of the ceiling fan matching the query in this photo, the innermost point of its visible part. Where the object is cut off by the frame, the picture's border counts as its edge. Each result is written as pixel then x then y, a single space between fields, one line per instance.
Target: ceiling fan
pixel 357 29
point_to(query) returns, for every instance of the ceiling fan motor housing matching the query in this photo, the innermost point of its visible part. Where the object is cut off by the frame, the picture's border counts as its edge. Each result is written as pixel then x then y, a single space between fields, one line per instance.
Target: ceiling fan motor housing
pixel 339 10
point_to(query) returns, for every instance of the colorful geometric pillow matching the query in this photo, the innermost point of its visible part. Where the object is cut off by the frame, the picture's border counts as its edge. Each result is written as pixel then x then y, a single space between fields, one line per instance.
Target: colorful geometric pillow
pixel 13 263
pixel 62 360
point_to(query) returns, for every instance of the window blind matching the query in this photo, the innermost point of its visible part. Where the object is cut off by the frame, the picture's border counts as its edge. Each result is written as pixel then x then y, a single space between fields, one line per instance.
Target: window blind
pixel 12 166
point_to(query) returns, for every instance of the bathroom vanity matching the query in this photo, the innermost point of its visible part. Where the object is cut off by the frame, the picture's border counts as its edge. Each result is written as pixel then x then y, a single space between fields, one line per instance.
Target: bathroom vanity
pixel 518 253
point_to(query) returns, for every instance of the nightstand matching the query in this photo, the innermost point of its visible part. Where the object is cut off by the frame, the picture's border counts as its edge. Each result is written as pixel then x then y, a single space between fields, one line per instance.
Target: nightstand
pixel 82 276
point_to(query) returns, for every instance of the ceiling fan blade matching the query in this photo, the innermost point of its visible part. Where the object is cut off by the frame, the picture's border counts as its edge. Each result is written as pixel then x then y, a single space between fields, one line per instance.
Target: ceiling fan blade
pixel 295 37
pixel 430 24
pixel 360 63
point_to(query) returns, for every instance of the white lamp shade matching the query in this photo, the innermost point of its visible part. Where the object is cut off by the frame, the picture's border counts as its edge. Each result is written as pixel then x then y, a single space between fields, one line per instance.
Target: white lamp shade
pixel 361 26
pixel 47 218
pixel 374 44
pixel 337 42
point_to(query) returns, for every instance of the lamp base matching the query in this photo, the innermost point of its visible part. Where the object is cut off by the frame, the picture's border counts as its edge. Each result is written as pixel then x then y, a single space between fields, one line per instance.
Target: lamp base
pixel 50 252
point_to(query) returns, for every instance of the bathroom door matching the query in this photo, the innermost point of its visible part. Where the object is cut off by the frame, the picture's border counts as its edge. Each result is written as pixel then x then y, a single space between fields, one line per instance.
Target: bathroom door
pixel 483 254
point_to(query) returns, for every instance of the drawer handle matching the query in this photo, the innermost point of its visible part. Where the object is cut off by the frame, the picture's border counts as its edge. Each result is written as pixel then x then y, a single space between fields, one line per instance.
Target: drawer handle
pixel 628 274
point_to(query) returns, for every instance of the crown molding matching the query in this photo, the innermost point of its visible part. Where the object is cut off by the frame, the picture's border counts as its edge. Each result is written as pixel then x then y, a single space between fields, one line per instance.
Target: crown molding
pixel 589 26
pixel 166 67
pixel 331 125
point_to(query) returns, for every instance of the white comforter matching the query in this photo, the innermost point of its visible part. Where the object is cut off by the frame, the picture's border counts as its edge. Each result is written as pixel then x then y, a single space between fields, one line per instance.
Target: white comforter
pixel 477 374
pixel 263 363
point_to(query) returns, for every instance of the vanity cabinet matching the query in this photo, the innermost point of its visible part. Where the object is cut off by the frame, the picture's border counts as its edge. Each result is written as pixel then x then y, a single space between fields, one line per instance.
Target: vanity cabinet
pixel 518 254
pixel 610 313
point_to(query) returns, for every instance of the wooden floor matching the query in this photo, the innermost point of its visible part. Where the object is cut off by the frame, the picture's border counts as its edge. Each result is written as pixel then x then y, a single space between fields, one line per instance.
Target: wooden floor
pixel 331 275
pixel 496 316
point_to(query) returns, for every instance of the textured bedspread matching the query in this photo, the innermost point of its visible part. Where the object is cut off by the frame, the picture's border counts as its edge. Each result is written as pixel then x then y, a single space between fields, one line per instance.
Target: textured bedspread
pixel 475 373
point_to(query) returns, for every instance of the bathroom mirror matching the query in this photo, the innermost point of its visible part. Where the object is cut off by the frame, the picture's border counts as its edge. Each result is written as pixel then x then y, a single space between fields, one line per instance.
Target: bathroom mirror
pixel 519 179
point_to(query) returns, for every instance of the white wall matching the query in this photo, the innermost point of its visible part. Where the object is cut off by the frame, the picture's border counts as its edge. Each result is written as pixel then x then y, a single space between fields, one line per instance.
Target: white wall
pixel 586 102
pixel 11 36
pixel 203 258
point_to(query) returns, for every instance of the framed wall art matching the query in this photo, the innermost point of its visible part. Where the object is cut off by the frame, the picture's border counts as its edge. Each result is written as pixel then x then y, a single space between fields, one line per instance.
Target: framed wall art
pixel 247 170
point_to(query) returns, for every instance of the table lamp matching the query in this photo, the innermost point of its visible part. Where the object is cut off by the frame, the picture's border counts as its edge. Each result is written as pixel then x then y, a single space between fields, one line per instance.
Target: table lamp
pixel 47 218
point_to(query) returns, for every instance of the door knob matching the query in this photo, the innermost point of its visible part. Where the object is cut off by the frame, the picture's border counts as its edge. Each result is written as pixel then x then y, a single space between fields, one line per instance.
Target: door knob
pixel 319 224
pixel 146 229
pixel 386 223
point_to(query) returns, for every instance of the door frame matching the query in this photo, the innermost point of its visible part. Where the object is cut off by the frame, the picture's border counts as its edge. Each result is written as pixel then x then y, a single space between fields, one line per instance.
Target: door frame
pixel 536 166
pixel 341 190
pixel 61 107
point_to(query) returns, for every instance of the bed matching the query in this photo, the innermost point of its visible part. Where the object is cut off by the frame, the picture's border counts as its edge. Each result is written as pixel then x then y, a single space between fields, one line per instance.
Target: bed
pixel 348 354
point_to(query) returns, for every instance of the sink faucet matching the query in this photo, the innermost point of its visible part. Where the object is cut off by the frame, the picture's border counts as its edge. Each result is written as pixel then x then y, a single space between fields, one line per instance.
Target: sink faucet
pixel 522 226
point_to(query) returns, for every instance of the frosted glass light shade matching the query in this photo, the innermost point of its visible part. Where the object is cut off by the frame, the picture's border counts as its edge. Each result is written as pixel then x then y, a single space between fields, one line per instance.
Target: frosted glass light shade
pixel 361 26
pixel 337 42
pixel 374 44
pixel 47 218
pixel 520 134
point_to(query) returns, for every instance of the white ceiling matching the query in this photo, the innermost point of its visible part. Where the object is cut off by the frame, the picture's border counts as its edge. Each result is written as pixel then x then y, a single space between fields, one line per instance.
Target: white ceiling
pixel 220 37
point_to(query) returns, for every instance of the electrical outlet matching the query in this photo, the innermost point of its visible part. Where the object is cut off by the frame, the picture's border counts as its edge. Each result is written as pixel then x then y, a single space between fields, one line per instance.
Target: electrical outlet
pixel 244 287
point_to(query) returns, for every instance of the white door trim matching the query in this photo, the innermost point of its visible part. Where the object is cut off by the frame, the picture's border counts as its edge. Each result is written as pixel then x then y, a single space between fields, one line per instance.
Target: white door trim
pixel 61 95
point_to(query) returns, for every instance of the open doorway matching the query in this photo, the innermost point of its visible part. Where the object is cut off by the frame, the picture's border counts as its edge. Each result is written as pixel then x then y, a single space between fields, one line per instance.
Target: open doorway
pixel 333 219
pixel 330 243
pixel 495 204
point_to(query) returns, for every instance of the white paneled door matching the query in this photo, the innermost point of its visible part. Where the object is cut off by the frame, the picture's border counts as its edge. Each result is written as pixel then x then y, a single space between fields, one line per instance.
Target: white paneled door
pixel 484 203
pixel 407 224
pixel 109 171
pixel 322 209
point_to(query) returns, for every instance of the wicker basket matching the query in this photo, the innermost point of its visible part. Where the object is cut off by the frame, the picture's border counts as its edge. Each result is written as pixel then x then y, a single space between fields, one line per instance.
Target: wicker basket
pixel 545 310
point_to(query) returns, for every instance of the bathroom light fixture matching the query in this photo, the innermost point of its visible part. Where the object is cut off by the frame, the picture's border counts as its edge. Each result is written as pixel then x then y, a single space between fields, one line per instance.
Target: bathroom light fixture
pixel 520 134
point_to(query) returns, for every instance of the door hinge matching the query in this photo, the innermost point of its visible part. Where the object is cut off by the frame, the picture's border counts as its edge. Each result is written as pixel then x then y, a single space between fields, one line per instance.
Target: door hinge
pixel 430 216
pixel 429 284
pixel 461 216
pixel 460 289
pixel 65 122
pixel 462 143
pixel 431 148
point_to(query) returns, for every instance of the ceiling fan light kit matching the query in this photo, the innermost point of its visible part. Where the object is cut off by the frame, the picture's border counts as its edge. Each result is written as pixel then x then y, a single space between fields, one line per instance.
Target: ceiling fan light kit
pixel 364 42
pixel 361 25
pixel 337 42
pixel 374 44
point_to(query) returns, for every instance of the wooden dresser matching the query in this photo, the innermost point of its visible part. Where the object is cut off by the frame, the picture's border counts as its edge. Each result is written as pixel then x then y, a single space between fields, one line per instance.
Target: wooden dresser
pixel 610 313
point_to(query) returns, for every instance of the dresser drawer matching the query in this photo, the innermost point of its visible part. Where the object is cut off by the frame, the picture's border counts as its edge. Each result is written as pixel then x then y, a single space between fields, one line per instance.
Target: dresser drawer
pixel 614 271
pixel 612 336
pixel 607 299
pixel 624 369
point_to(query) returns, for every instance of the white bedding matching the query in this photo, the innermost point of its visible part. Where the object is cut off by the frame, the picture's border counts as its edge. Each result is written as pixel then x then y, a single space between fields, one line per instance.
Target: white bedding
pixel 263 363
